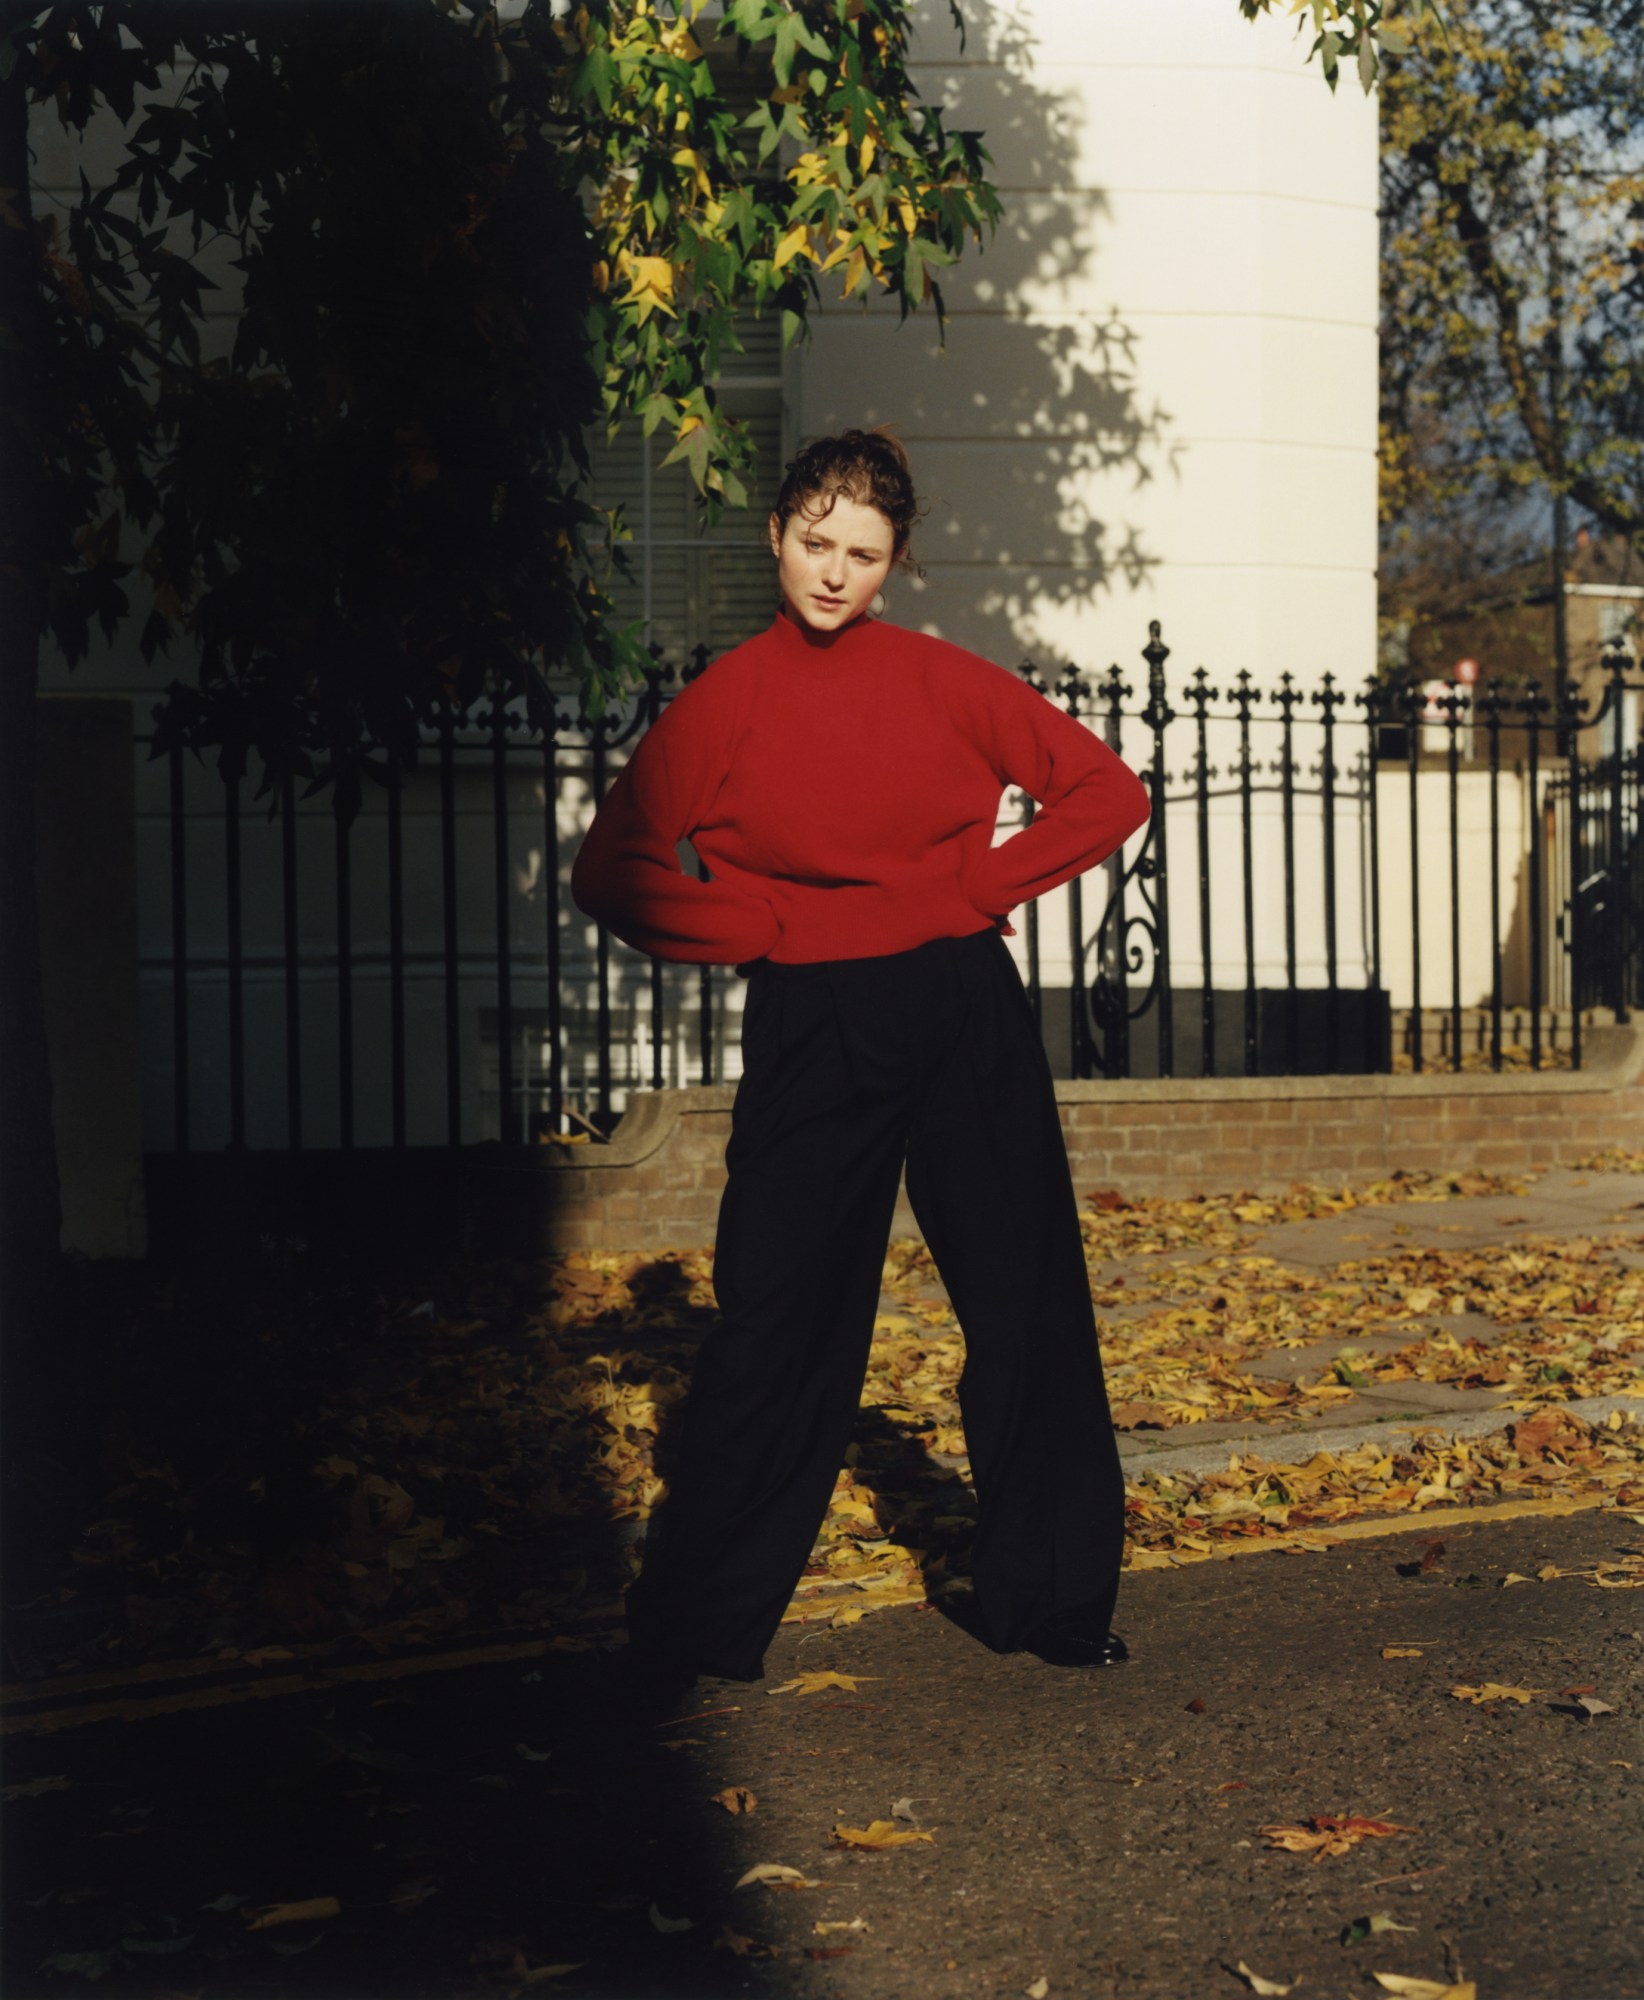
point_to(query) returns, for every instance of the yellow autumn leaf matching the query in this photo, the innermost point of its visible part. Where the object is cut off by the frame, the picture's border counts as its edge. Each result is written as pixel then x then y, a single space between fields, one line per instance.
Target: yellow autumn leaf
pixel 1401 1652
pixel 313 1910
pixel 879 1833
pixel 526 1974
pixel 790 245
pixel 687 157
pixel 736 1799
pixel 819 1679
pixel 650 284
pixel 775 1875
pixel 1425 1989
pixel 678 40
pixel 868 150
pixel 1495 1691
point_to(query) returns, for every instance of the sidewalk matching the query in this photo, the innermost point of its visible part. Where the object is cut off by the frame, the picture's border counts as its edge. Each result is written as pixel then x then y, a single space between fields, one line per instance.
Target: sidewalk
pixel 482 1810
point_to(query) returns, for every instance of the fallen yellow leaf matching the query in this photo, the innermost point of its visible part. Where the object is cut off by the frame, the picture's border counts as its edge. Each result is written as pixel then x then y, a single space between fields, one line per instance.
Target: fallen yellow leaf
pixel 1401 1652
pixel 736 1799
pixel 1425 1989
pixel 307 1912
pixel 1326 1834
pixel 775 1875
pixel 814 1683
pixel 533 1975
pixel 879 1833
pixel 1494 1691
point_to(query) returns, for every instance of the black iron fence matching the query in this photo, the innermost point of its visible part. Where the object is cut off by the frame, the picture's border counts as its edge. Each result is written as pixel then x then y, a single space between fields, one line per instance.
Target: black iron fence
pixel 1331 880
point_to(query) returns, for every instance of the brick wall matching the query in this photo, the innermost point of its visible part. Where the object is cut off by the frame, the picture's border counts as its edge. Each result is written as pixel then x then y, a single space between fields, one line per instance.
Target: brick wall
pixel 656 1184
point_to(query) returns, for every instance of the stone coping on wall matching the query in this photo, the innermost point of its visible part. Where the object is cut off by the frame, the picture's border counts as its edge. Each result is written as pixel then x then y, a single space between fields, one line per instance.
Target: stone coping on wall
pixel 1613 1060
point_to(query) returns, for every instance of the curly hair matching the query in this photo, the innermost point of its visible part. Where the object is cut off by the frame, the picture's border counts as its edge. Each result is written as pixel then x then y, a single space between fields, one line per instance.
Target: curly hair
pixel 869 467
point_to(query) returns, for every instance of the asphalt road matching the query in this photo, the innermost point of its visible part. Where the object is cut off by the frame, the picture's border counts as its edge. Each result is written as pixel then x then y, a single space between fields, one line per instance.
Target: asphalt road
pixel 1101 1832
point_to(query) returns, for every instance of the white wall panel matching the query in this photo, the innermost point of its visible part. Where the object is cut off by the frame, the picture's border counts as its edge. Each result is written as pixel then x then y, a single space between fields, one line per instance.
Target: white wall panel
pixel 1158 394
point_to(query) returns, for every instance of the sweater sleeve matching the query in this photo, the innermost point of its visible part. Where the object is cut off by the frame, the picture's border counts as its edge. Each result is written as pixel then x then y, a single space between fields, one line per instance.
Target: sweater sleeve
pixel 627 874
pixel 1090 801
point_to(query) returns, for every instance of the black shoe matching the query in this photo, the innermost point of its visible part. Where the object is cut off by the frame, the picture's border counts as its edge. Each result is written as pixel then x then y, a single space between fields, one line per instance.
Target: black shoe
pixel 1068 1644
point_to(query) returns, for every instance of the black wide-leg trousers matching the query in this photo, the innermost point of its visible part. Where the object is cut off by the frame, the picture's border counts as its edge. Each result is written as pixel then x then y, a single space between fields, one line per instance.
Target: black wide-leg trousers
pixel 852 1067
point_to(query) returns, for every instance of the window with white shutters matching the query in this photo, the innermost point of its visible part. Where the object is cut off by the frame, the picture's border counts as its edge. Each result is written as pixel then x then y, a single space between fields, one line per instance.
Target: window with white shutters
pixel 694 585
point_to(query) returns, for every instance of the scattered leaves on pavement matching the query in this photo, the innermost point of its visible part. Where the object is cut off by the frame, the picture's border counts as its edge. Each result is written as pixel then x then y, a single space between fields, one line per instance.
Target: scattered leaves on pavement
pixel 485 1432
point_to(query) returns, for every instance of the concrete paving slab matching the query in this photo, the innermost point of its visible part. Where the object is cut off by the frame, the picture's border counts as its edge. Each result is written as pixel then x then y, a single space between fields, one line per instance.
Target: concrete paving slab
pixel 1206 1454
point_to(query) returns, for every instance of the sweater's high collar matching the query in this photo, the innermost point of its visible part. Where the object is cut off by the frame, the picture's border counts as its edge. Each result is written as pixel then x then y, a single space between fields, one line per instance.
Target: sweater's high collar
pixel 799 642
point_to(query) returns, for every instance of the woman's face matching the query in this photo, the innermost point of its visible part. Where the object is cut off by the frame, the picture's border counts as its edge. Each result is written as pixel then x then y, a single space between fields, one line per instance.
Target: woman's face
pixel 831 566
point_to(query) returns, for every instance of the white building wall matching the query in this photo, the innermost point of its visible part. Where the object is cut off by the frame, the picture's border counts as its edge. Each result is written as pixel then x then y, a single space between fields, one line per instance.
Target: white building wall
pixel 1157 399
pixel 1158 396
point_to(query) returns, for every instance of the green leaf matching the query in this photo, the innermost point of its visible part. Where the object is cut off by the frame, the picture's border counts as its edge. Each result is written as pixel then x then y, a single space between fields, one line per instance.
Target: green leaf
pixel 694 449
pixel 597 73
pixel 792 34
pixel 750 19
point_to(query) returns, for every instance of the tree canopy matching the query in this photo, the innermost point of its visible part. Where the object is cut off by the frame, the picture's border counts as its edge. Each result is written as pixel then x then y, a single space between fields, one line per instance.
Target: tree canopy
pixel 453 237
pixel 1512 275
pixel 459 240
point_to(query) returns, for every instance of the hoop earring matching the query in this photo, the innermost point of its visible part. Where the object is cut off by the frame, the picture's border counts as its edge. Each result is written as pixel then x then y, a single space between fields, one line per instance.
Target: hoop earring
pixel 881 604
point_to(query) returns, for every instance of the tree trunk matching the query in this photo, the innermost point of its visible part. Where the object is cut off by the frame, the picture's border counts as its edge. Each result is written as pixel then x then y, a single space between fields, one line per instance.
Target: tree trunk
pixel 35 1424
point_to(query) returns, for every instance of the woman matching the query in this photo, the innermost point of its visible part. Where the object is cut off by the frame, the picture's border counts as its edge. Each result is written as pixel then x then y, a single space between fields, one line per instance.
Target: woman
pixel 841 778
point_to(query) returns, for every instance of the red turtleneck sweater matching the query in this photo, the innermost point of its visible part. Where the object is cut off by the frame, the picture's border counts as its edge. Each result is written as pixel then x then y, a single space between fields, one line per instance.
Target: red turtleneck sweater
pixel 843 791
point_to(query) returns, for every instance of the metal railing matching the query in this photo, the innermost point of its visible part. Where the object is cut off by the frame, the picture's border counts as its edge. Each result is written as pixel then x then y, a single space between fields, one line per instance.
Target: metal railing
pixel 1326 844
